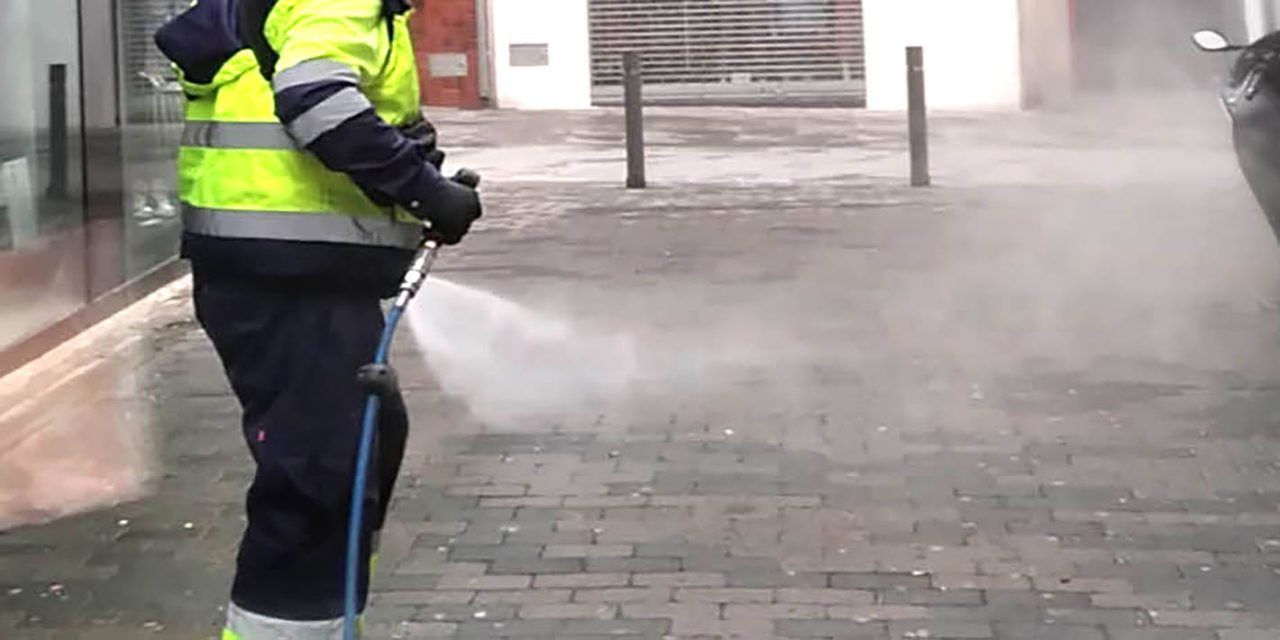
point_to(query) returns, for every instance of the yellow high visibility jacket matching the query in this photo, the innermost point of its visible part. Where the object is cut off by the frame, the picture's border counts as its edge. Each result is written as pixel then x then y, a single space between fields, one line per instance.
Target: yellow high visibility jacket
pixel 244 174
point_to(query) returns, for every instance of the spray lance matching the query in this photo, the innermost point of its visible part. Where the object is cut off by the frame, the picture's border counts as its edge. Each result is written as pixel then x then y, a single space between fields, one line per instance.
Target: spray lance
pixel 381 380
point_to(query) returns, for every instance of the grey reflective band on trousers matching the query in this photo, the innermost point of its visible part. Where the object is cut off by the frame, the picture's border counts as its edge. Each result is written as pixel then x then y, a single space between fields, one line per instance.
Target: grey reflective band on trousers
pixel 328 115
pixel 313 71
pixel 246 625
pixel 302 227
pixel 237 135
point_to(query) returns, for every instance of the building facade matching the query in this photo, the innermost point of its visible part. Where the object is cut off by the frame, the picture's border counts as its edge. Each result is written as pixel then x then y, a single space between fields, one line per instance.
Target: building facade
pixel 980 54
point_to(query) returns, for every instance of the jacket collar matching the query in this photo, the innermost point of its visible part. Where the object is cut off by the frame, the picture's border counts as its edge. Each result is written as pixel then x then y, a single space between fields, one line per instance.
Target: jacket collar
pixel 397 7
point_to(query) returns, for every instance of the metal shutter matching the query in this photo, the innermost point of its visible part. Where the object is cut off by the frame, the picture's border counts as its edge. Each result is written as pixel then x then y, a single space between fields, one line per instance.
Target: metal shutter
pixel 731 51
pixel 142 66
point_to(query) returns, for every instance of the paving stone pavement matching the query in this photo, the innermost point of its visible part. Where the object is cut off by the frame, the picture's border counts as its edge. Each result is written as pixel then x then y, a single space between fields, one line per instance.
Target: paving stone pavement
pixel 1007 411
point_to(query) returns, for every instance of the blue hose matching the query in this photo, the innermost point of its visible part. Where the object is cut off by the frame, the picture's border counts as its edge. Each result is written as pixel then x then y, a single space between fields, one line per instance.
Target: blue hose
pixel 414 278
pixel 355 526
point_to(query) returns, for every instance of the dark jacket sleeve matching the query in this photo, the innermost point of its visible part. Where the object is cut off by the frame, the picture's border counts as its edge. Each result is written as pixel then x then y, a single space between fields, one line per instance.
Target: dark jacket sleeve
pixel 320 101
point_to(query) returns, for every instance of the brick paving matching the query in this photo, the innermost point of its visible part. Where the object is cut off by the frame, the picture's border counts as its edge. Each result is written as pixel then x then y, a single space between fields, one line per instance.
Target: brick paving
pixel 864 413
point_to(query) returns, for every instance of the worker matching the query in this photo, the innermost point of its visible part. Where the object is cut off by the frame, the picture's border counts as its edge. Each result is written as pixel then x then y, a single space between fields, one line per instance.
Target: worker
pixel 305 172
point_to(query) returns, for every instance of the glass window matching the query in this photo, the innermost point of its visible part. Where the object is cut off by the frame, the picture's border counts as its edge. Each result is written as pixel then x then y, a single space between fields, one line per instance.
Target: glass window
pixel 152 109
pixel 42 240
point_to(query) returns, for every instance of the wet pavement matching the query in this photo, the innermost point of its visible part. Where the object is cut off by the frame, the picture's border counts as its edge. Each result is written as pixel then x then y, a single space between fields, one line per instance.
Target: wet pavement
pixel 1038 401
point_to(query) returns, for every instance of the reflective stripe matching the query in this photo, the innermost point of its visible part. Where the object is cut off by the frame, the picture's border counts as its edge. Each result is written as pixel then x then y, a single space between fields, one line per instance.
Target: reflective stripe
pixel 314 71
pixel 302 227
pixel 237 135
pixel 245 625
pixel 326 116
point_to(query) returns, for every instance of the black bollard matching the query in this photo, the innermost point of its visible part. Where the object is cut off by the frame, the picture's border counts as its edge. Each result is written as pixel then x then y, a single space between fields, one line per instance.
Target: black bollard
pixel 633 77
pixel 58 135
pixel 917 118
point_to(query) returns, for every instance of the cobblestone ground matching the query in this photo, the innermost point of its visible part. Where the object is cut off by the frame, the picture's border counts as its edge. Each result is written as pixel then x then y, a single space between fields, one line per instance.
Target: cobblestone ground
pixel 1022 411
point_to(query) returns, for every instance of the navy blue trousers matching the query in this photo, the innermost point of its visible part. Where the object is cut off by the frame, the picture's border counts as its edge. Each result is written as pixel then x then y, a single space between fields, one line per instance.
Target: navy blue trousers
pixel 292 357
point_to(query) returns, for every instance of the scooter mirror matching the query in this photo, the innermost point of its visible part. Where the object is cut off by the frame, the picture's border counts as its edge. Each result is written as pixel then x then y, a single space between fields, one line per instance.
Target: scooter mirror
pixel 1210 40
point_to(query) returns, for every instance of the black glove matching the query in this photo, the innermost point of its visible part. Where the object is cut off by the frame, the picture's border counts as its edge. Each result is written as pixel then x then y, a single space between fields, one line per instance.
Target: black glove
pixel 451 208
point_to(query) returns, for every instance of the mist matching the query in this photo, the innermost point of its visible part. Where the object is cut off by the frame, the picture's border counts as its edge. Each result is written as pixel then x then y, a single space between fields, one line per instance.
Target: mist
pixel 505 359
pixel 1109 240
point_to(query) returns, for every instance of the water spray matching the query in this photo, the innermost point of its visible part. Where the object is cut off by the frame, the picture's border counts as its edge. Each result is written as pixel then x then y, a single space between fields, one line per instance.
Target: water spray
pixel 381 379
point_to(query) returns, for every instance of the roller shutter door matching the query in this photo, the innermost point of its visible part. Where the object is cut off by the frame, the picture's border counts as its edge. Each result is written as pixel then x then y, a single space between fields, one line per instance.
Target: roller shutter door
pixel 731 51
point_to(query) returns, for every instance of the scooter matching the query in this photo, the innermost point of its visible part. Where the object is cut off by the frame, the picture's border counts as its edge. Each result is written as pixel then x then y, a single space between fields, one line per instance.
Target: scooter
pixel 1252 102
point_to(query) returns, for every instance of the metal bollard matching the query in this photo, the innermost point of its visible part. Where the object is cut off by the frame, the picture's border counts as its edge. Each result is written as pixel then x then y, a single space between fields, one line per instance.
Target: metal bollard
pixel 633 76
pixel 59 172
pixel 917 118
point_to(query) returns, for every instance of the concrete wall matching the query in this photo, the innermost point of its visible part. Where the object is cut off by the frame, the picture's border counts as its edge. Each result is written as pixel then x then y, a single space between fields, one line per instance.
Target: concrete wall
pixel 564 82
pixel 1047 70
pixel 1144 46
pixel 972 57
pixel 1261 16
pixel 445 35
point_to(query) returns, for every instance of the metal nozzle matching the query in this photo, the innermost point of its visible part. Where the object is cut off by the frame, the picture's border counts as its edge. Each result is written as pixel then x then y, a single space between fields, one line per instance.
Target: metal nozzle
pixel 418 271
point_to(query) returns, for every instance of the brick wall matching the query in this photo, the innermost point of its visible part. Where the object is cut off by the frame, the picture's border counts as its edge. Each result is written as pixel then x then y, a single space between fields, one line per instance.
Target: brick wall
pixel 447 27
